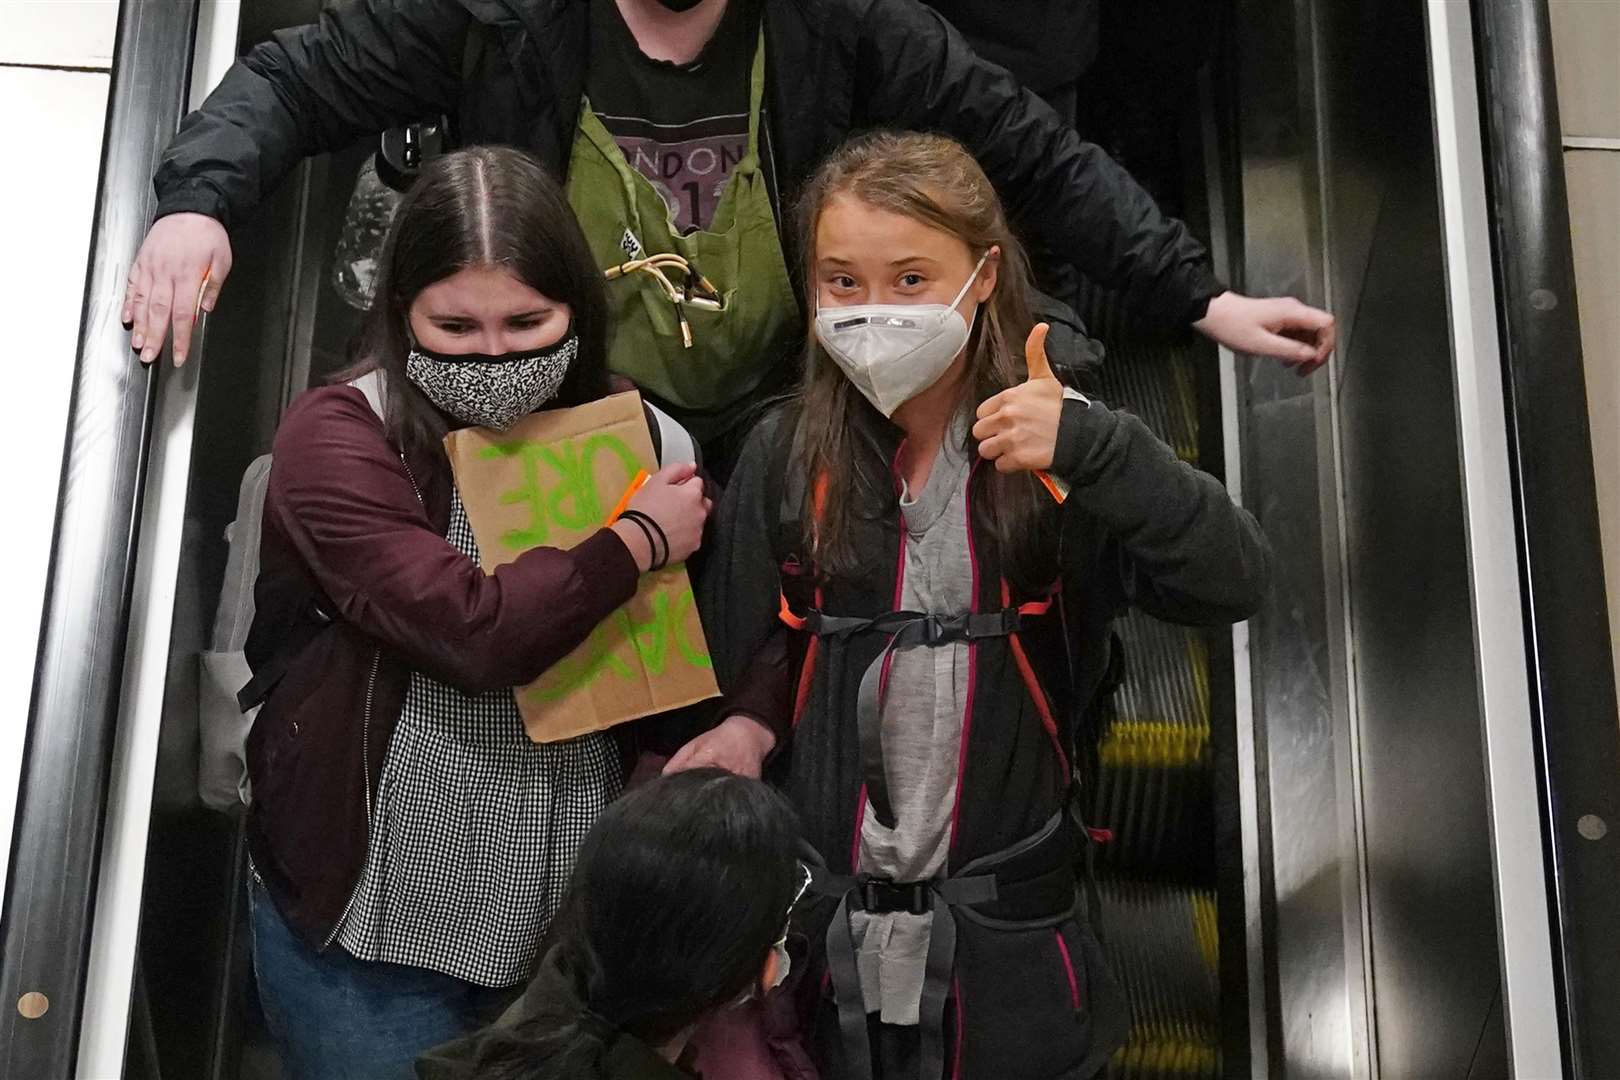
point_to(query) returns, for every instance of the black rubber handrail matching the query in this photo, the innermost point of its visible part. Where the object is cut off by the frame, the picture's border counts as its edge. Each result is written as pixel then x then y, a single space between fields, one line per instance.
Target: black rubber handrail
pixel 50 886
pixel 1567 630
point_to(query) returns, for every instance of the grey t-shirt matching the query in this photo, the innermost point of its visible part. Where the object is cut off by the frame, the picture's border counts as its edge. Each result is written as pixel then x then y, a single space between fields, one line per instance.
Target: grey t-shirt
pixel 923 713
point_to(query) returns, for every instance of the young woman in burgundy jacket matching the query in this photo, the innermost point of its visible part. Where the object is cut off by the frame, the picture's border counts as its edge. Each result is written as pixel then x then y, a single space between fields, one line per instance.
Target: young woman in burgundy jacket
pixel 409 842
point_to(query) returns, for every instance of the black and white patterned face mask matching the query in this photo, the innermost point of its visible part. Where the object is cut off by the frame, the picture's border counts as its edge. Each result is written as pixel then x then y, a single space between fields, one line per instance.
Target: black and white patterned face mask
pixel 492 391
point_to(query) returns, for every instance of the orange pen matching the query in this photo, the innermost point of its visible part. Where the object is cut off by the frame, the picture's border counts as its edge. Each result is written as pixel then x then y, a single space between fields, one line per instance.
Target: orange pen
pixel 636 483
pixel 202 291
pixel 1054 485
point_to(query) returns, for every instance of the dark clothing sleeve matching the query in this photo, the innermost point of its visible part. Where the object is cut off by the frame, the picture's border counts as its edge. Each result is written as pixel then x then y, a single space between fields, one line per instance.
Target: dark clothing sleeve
pixel 914 71
pixel 346 503
pixel 365 66
pixel 765 689
pixel 371 64
pixel 1186 553
pixel 741 593
pixel 1049 44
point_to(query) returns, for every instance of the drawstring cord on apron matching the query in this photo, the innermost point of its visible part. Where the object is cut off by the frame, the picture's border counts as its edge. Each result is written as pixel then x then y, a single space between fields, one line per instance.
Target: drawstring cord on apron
pixel 698 290
pixel 737 319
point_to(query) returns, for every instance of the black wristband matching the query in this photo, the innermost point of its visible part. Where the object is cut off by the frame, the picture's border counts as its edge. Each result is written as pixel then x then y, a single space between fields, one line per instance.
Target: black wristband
pixel 652 545
pixel 647 522
pixel 662 539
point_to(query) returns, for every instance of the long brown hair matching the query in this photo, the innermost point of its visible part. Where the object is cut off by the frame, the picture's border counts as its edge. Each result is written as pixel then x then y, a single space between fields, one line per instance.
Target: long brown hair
pixel 482 206
pixel 932 179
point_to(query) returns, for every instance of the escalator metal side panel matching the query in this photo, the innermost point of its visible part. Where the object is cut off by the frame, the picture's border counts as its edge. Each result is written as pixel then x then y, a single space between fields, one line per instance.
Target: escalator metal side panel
pixel 51 887
pixel 1241 860
pixel 1312 873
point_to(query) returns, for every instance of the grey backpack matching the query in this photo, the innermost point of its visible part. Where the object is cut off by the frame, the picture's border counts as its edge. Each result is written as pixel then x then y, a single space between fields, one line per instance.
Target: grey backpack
pixel 222 776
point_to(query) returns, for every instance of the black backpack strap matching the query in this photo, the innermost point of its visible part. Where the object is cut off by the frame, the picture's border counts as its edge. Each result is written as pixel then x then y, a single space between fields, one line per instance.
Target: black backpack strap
pixel 1076 356
pixel 310 623
pixel 655 430
pixel 1086 865
pixel 787 537
pixel 976 884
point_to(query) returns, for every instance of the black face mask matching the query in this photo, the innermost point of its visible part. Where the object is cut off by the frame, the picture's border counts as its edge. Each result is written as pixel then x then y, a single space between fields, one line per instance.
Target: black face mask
pixel 680 5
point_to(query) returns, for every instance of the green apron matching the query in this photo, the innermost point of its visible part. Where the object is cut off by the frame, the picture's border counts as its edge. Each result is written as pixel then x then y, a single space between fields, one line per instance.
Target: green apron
pixel 758 320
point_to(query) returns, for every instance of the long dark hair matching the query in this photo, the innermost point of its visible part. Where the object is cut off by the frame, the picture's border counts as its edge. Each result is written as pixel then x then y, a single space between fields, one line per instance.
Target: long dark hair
pixel 679 892
pixel 932 179
pixel 482 206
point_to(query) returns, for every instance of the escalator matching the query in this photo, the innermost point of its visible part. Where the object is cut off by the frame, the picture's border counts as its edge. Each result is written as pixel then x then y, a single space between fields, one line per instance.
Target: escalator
pixel 1150 779
pixel 1342 838
pixel 1156 768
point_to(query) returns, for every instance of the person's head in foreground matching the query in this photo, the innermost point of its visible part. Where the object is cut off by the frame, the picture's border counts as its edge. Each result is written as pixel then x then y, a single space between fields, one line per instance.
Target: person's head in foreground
pixel 678 907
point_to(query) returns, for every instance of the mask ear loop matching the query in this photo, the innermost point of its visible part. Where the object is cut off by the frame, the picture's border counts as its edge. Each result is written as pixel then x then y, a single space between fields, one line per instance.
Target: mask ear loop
pixel 965 287
pixel 968 284
pixel 806 878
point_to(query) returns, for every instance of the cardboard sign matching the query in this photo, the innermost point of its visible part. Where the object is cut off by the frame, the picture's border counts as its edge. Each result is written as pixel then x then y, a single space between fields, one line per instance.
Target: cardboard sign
pixel 551 481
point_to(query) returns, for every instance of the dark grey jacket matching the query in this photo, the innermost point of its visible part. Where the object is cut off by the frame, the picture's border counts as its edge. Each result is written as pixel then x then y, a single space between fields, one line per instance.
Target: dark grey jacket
pixel 513 72
pixel 1031 995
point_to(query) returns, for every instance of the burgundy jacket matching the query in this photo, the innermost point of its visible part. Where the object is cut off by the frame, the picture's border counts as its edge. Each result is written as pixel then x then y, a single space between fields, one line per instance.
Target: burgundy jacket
pixel 354 544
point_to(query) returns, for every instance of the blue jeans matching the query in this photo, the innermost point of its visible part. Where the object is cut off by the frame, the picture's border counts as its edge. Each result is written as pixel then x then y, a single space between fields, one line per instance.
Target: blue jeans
pixel 337 1018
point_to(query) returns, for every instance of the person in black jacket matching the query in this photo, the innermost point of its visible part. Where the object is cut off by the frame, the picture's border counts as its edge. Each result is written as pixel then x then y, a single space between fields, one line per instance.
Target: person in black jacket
pixel 683 127
pixel 1048 47
pixel 916 567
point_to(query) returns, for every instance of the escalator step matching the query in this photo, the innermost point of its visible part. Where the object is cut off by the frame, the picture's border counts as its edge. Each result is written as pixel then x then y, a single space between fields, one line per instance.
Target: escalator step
pixel 1155 744
pixel 1149 765
pixel 1149 780
pixel 1167 673
pixel 1161 944
pixel 1157 381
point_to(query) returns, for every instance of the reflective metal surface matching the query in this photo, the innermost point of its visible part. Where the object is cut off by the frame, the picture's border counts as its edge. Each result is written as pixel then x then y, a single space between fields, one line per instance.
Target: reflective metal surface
pixel 1528 1013
pixel 1372 800
pixel 190 999
pixel 1306 787
pixel 1429 894
pixel 45 942
pixel 1216 107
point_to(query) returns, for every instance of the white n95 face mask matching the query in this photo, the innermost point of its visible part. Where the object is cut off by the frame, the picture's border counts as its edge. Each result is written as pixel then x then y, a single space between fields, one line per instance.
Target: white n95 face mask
pixel 893 352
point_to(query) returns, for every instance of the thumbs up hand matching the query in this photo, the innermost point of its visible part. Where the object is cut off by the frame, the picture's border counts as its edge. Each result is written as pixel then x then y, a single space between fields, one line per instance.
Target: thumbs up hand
pixel 1017 429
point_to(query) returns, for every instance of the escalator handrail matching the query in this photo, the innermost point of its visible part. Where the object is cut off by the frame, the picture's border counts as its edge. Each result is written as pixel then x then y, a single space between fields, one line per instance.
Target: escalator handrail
pixel 1566 622
pixel 50 887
